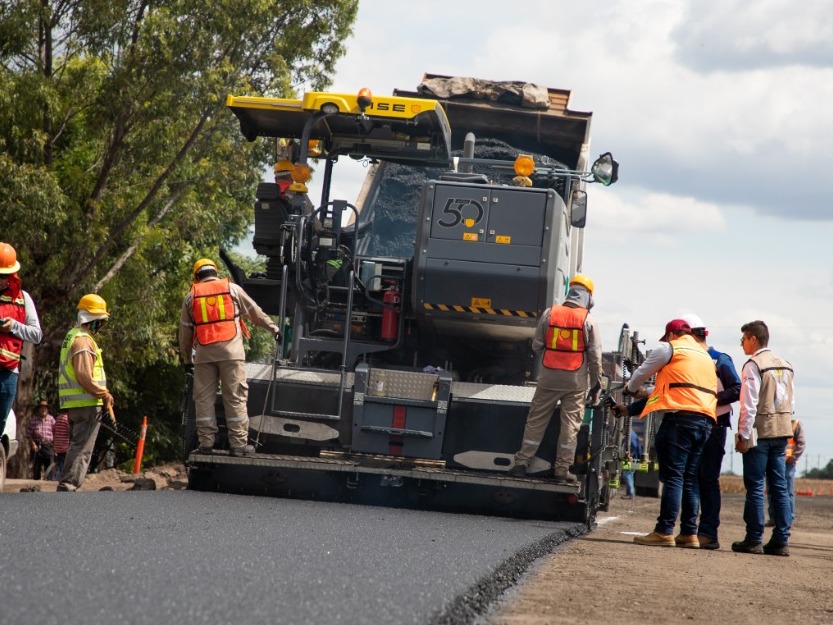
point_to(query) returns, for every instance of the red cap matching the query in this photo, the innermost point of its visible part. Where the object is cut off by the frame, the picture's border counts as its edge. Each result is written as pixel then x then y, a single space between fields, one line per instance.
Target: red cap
pixel 675 325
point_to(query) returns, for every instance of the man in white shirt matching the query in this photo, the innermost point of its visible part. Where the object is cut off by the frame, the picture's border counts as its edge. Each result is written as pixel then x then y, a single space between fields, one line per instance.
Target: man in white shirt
pixel 766 407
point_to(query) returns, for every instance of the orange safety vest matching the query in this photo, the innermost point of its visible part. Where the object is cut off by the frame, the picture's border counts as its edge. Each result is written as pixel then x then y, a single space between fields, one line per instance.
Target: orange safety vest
pixel 214 312
pixel 12 306
pixel 687 382
pixel 791 442
pixel 564 341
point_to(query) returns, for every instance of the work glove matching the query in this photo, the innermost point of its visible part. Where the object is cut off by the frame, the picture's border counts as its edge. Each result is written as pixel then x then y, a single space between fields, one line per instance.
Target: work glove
pixel 189 368
pixel 277 336
pixel 620 410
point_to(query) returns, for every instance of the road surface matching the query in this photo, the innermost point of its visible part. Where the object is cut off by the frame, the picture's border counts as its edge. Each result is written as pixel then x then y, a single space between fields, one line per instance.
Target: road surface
pixel 189 557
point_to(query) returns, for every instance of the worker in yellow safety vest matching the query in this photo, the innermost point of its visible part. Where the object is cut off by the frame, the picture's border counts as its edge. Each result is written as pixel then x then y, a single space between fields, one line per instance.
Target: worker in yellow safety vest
pixel 82 389
pixel 211 331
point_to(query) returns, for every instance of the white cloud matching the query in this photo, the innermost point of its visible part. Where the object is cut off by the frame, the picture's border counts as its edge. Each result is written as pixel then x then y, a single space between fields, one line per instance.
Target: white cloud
pixel 646 215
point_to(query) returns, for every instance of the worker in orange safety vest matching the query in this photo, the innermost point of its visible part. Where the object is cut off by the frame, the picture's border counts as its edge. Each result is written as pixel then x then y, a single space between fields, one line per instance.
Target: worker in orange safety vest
pixel 795 448
pixel 211 331
pixel 18 323
pixel 570 345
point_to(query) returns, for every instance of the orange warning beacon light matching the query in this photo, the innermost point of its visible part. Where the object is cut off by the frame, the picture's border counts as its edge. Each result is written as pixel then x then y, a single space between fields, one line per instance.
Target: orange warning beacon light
pixel 364 98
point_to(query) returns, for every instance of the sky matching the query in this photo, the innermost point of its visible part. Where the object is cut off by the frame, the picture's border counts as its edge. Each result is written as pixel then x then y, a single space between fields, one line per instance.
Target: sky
pixel 719 115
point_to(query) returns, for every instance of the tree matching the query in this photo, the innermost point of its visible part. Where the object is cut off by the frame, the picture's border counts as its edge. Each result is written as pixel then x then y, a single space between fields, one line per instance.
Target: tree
pixel 120 164
pixel 825 473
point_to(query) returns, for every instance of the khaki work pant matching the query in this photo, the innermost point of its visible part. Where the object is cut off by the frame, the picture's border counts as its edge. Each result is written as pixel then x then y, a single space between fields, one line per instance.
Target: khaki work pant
pixel 83 429
pixel 540 412
pixel 231 376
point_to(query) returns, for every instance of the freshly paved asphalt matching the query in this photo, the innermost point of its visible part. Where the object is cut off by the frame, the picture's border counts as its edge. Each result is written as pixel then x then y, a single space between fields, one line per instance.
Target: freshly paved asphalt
pixel 187 557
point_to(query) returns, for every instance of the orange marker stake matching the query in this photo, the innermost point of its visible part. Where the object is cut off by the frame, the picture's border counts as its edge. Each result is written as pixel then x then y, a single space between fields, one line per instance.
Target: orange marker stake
pixel 140 447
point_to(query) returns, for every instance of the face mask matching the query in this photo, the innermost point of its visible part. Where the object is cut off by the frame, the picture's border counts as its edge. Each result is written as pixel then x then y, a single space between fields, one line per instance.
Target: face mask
pixel 96 325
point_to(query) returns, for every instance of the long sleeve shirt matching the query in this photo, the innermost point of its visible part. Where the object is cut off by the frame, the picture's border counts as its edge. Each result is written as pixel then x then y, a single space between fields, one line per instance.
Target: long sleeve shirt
pixel 41 430
pixel 232 349
pixel 82 352
pixel 800 441
pixel 30 330
pixel 656 360
pixel 60 434
pixel 730 383
pixel 749 393
pixel 589 375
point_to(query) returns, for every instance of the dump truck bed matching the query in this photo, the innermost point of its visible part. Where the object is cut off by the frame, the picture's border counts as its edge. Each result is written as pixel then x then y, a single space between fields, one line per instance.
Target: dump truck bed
pixel 488 108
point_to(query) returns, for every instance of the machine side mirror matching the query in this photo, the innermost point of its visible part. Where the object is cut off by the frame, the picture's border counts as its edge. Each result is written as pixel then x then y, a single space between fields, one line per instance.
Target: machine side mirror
pixel 578 208
pixel 605 169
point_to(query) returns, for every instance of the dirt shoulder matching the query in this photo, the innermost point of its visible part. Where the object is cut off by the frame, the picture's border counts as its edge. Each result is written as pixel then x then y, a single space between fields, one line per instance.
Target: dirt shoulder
pixel 167 477
pixel 604 577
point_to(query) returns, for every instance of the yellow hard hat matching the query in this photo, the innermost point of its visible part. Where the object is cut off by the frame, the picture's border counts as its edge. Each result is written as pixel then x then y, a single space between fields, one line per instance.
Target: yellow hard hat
pixel 93 304
pixel 284 165
pixel 204 262
pixel 584 281
pixel 8 259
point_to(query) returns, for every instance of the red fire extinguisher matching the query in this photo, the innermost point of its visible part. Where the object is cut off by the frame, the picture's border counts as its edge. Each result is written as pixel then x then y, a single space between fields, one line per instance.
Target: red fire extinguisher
pixel 390 313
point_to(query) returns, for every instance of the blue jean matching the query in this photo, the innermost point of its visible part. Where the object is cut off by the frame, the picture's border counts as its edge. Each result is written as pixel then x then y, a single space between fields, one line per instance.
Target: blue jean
pixel 8 389
pixel 765 464
pixel 679 442
pixel 627 478
pixel 708 481
pixel 789 472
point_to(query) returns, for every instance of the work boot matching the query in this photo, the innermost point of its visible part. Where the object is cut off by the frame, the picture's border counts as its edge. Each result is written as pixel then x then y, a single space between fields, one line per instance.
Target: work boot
pixel 245 450
pixel 66 488
pixel 655 540
pixel 774 549
pixel 708 543
pixel 517 470
pixel 567 479
pixel 205 450
pixel 747 546
pixel 689 541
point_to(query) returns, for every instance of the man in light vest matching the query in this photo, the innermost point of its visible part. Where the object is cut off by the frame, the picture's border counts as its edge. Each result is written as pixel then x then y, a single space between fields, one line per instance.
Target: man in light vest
pixel 82 389
pixel 685 395
pixel 571 348
pixel 18 323
pixel 708 477
pixel 767 404
pixel 211 334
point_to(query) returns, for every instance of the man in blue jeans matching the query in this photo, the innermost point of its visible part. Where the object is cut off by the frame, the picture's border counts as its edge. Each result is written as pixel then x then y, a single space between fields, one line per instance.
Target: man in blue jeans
pixel 711 463
pixel 766 408
pixel 686 395
pixel 636 456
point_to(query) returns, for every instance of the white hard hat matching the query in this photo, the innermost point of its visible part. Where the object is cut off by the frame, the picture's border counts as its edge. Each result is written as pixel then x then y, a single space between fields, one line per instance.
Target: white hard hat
pixel 693 321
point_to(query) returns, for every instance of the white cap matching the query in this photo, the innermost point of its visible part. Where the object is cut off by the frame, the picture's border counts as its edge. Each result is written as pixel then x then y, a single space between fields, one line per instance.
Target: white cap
pixel 693 321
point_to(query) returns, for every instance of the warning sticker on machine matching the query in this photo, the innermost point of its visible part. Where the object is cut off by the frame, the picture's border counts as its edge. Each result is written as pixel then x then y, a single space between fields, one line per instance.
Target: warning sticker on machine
pixel 469 236
pixel 503 239
pixel 481 302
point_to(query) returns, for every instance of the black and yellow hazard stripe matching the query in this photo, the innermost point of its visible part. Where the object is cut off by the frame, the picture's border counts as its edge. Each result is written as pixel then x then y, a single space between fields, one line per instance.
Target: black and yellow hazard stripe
pixel 475 310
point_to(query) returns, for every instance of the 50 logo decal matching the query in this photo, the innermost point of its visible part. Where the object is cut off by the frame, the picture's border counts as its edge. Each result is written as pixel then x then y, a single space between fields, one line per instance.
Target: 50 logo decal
pixel 458 209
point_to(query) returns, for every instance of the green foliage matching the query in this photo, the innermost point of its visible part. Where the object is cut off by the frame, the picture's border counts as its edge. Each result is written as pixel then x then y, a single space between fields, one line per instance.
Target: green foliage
pixel 120 164
pixel 825 473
